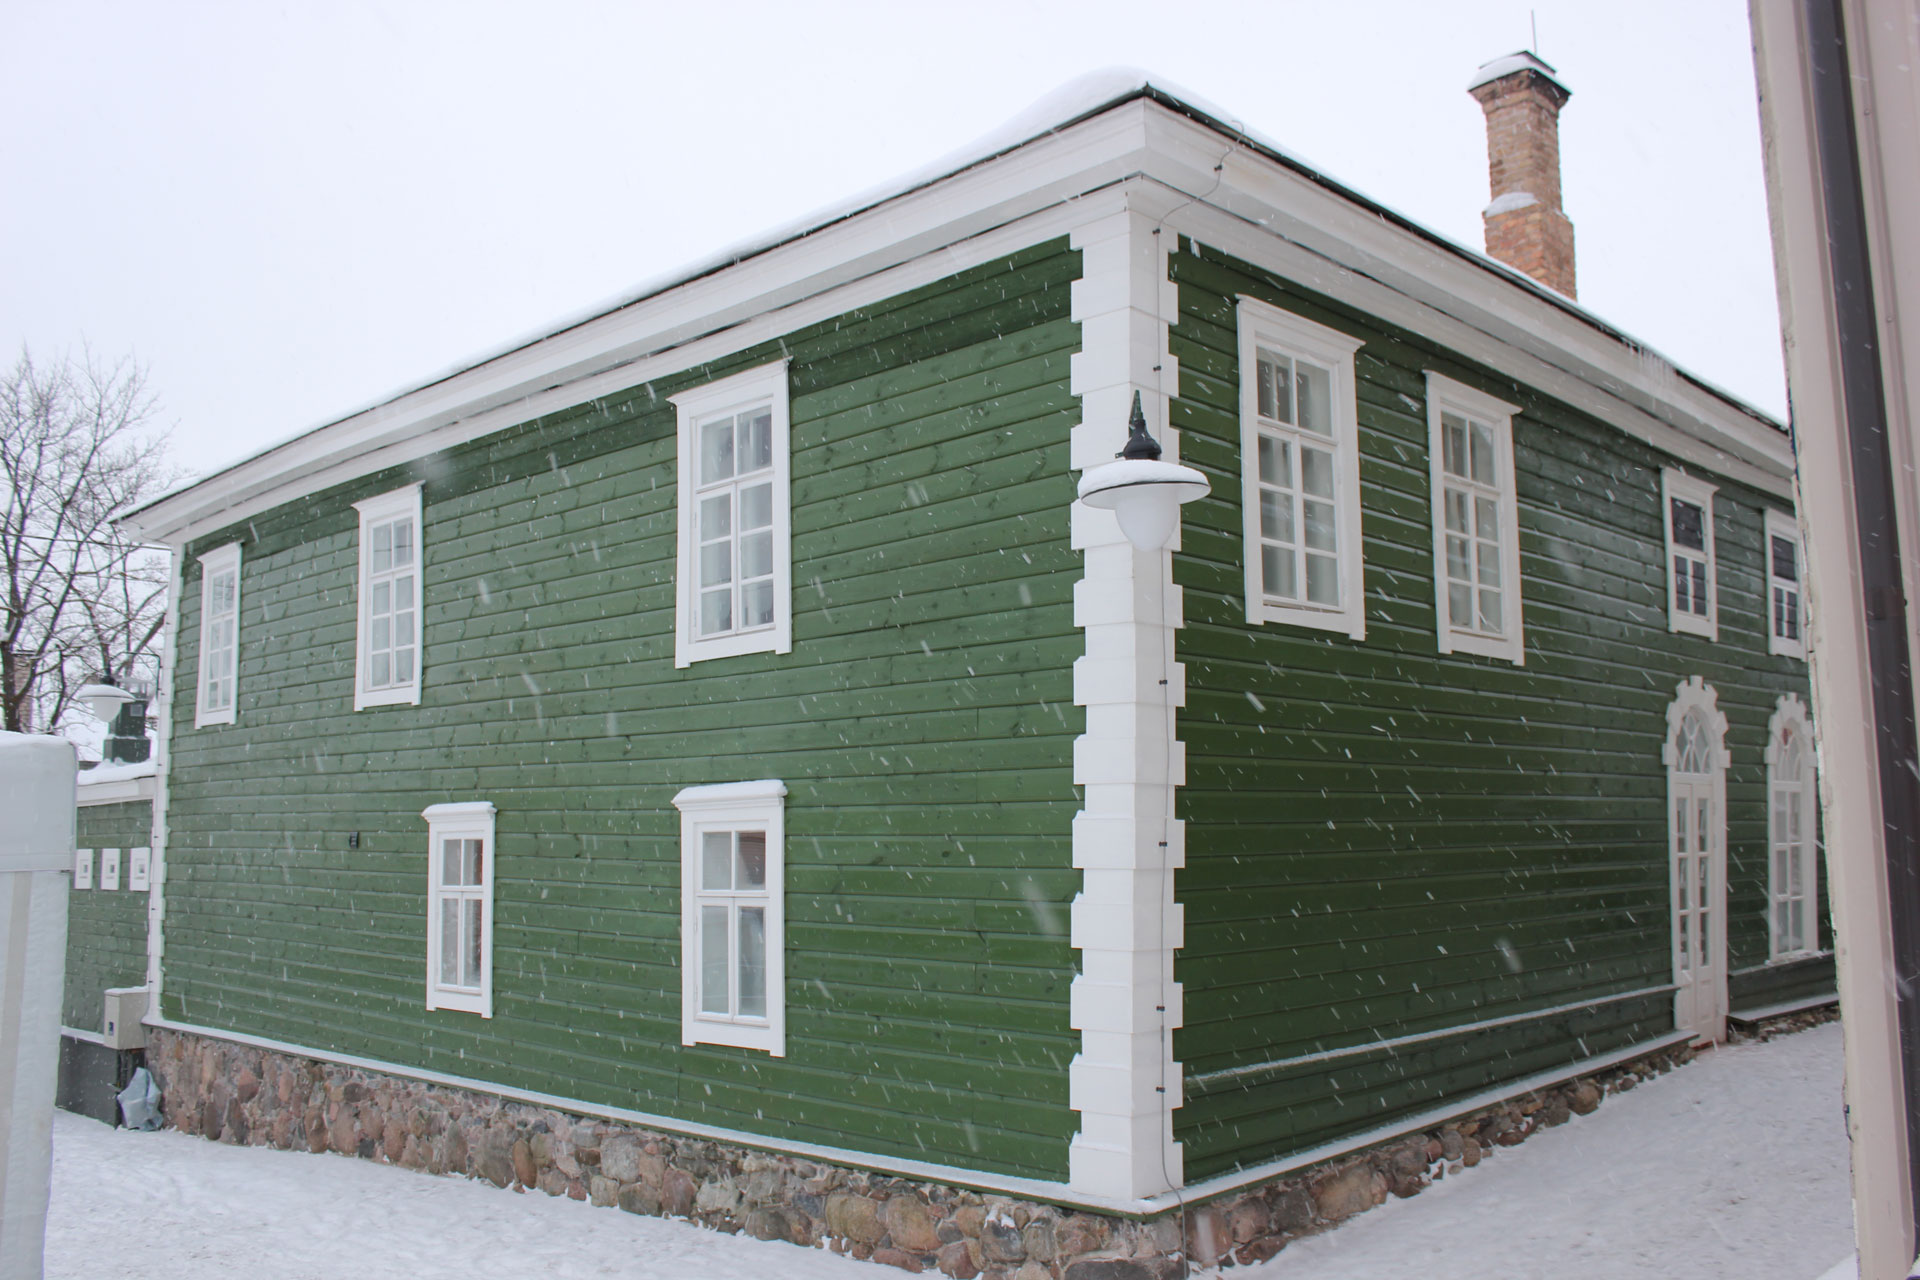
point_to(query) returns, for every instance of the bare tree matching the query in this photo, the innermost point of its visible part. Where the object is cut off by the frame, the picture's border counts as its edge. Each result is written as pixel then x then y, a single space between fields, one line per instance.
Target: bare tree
pixel 81 600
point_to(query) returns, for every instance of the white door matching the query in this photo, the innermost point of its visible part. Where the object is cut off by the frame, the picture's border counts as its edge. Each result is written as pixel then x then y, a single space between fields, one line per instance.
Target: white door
pixel 1699 886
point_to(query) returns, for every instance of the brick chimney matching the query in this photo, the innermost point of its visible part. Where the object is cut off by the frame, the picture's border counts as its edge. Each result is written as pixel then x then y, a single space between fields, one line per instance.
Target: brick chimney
pixel 1526 227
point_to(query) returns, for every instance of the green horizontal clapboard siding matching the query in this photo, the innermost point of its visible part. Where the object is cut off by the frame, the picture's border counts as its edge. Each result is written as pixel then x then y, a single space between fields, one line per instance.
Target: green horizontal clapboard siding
pixel 1383 841
pixel 923 724
pixel 106 928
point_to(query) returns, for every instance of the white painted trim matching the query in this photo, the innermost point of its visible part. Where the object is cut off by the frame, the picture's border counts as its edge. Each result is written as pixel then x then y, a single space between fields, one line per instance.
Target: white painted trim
pixel 89 1037
pixel 118 791
pixel 1778 524
pixel 1790 717
pixel 218 561
pixel 404 501
pixel 1124 923
pixel 1693 694
pixel 1137 137
pixel 1444 393
pixel 731 806
pixel 750 388
pixel 162 761
pixel 1262 324
pixel 1442 1033
pixel 1674 484
pixel 466 820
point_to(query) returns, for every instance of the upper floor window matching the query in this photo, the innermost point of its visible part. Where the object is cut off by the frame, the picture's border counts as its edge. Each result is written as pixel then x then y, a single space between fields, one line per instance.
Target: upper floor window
pixel 1300 472
pixel 735 575
pixel 388 666
pixel 1786 599
pixel 1476 521
pixel 733 915
pixel 219 636
pixel 1692 591
pixel 460 906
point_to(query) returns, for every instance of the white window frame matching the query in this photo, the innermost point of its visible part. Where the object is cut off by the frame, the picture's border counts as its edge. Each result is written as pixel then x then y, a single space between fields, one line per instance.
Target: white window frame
pixel 731 806
pixel 221 664
pixel 1443 395
pixel 1261 324
pixel 373 512
pixel 139 869
pixel 1790 718
pixel 1778 524
pixel 766 384
pixel 468 820
pixel 83 868
pixel 1678 484
pixel 110 870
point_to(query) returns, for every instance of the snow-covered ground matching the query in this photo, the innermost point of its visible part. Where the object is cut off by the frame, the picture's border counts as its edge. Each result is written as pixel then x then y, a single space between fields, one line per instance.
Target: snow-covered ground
pixel 1733 1166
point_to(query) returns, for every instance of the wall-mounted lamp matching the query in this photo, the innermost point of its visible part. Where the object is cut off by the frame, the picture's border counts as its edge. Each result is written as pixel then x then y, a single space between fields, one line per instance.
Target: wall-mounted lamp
pixel 104 700
pixel 1144 493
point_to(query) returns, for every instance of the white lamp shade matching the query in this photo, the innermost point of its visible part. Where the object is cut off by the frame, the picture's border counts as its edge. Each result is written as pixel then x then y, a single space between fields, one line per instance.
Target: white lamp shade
pixel 104 700
pixel 1145 496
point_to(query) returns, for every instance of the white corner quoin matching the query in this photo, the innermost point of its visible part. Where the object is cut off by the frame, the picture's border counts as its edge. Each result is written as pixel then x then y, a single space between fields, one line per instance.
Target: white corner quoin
pixel 36 857
pixel 1126 927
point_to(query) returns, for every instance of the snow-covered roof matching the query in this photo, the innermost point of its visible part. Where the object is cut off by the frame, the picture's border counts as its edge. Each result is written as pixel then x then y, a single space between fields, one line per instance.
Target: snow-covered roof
pixel 1522 61
pixel 1072 103
pixel 101 774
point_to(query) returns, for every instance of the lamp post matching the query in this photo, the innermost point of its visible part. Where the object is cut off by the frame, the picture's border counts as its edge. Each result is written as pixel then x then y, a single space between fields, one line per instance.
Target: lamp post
pixel 1144 493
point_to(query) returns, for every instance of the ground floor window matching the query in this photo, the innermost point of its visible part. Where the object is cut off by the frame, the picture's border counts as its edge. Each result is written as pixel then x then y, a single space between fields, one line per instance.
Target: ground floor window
pixel 1792 861
pixel 732 919
pixel 460 857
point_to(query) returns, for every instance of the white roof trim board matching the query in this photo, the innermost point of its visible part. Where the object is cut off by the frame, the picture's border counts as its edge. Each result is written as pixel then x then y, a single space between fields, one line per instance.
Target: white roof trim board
pixel 1097 131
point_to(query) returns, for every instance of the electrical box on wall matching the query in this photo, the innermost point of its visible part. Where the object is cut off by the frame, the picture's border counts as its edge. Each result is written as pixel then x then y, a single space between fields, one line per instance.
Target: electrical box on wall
pixel 120 1027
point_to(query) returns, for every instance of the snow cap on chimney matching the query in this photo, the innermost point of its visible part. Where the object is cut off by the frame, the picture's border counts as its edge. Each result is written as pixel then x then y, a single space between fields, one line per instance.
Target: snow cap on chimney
pixel 1526 227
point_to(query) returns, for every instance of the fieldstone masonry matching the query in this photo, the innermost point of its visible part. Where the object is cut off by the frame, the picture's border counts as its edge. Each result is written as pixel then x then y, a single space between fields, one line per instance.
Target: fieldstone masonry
pixel 237 1094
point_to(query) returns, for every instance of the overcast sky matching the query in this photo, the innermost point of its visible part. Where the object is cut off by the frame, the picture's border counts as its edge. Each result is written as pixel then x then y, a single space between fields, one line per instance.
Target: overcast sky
pixel 287 211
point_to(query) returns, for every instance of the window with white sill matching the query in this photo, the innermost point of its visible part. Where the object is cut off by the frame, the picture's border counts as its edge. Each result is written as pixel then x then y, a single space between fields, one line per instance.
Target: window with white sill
pixel 1476 528
pixel 733 915
pixel 1300 472
pixel 460 860
pixel 1692 585
pixel 1786 598
pixel 734 586
pixel 387 666
pixel 218 689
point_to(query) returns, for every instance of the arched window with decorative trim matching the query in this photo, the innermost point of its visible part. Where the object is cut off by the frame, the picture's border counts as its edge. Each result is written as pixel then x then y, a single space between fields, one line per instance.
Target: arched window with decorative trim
pixel 1792 859
pixel 1695 754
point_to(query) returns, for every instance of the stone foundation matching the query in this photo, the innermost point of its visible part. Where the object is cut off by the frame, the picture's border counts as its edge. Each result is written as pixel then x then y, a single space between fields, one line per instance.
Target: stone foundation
pixel 236 1094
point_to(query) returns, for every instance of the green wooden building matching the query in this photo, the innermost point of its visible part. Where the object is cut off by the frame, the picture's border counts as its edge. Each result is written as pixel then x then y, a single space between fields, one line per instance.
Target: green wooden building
pixel 719 713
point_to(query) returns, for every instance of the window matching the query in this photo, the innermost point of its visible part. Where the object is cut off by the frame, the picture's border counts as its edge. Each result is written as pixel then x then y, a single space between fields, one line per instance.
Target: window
pixel 1696 758
pixel 389 648
pixel 1786 614
pixel 460 860
pixel 733 916
pixel 110 869
pixel 735 580
pixel 1476 522
pixel 83 868
pixel 1792 864
pixel 1692 601
pixel 1300 472
pixel 219 636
